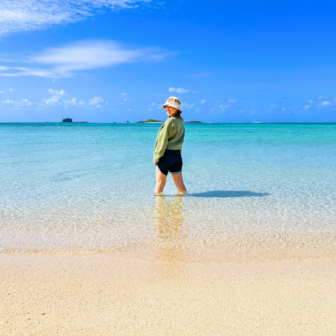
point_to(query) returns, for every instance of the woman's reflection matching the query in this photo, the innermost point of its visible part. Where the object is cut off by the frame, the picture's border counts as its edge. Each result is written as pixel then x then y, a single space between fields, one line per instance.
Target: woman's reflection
pixel 169 228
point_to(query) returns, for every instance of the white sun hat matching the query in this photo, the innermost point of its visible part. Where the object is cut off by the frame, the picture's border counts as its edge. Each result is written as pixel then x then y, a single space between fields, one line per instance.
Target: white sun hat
pixel 173 102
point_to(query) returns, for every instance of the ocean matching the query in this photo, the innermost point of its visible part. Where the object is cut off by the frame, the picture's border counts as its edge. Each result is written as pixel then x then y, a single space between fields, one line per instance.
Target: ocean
pixel 85 188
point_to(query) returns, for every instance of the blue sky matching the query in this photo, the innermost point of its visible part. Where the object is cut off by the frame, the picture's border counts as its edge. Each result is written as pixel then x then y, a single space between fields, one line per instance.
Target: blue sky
pixel 118 60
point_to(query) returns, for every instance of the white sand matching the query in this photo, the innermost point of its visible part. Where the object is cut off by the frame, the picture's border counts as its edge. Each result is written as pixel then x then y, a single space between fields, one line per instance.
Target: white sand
pixel 114 294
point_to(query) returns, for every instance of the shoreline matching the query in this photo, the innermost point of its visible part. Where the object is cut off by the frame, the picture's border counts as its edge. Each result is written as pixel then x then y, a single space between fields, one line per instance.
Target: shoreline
pixel 133 294
pixel 226 248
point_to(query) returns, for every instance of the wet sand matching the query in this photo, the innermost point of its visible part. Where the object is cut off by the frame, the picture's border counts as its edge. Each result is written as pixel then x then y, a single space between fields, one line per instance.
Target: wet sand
pixel 131 294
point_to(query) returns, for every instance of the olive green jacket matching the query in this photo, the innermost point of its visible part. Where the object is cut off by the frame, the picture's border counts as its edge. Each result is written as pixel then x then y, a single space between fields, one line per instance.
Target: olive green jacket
pixel 170 136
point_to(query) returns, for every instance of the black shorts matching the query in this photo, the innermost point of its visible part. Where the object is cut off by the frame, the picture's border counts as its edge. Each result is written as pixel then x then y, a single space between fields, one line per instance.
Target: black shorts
pixel 171 161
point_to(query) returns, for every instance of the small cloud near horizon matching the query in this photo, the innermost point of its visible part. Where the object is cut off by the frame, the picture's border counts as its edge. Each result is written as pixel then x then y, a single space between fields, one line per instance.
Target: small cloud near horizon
pixel 96 101
pixel 56 96
pixel 69 102
pixel 178 90
pixel 188 106
pixel 22 102
pixel 56 92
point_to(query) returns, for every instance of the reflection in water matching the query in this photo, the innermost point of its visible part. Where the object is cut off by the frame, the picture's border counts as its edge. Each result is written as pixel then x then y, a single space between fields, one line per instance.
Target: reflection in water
pixel 169 227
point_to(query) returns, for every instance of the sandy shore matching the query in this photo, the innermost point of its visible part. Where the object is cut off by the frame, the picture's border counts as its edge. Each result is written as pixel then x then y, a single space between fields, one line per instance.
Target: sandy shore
pixel 117 294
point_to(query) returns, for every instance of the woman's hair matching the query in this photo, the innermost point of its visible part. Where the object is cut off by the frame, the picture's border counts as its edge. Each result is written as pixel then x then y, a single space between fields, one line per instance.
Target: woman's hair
pixel 177 115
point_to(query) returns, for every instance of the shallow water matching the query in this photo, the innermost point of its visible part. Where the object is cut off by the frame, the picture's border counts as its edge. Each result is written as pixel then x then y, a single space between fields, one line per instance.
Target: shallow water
pixel 89 187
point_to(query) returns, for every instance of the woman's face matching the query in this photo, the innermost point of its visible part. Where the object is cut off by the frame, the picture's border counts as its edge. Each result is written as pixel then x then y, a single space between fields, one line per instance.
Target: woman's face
pixel 170 110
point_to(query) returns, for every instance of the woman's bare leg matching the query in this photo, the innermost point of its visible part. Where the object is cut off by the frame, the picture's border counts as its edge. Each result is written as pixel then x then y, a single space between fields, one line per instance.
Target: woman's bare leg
pixel 178 180
pixel 161 180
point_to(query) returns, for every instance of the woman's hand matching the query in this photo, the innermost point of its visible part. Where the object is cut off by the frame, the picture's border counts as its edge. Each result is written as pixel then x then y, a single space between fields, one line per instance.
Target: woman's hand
pixel 155 162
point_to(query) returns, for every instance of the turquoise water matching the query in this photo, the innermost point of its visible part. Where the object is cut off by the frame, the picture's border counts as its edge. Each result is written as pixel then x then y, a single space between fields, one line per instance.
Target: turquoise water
pixel 84 187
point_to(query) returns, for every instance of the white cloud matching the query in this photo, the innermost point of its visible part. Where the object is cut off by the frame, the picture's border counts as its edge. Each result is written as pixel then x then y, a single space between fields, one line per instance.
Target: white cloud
pixel 325 103
pixel 26 15
pixel 10 90
pixel 85 55
pixel 178 90
pixel 2 92
pixel 55 98
pixel 203 101
pixel 56 92
pixel 188 106
pixel 19 71
pixel 307 107
pixel 81 103
pixel 273 106
pixel 51 101
pixel 124 95
pixel 231 101
pixel 22 102
pixel 96 101
pixel 157 106
pixel 3 68
pixel 72 102
pixel 223 106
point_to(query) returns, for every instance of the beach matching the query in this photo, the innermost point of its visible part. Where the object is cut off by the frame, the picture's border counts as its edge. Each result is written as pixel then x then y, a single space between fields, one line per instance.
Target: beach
pixel 167 168
pixel 87 249
pixel 119 294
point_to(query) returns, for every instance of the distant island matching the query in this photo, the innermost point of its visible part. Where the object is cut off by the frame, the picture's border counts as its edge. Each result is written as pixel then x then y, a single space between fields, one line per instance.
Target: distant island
pixel 150 121
pixel 193 122
pixel 69 120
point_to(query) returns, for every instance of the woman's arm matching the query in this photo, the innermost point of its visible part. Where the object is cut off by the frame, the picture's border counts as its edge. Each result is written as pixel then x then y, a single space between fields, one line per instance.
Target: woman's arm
pixel 161 142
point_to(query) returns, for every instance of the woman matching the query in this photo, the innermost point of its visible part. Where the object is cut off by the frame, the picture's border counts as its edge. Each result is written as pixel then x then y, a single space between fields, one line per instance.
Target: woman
pixel 168 146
